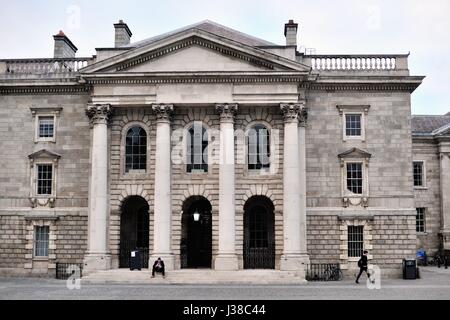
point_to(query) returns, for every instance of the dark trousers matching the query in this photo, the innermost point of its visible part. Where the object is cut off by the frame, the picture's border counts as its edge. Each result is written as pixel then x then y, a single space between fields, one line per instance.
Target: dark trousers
pixel 361 270
pixel 158 269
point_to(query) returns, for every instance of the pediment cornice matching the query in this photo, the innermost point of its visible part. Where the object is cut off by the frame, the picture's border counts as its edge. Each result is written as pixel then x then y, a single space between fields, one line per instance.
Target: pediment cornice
pixel 355 153
pixel 44 153
pixel 195 37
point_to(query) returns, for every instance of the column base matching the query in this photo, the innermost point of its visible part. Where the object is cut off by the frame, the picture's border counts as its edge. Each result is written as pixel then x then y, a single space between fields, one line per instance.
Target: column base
pixel 295 262
pixel 226 262
pixel 96 262
pixel 168 259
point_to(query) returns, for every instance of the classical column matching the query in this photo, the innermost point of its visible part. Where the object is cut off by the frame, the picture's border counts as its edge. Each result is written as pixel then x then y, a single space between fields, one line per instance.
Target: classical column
pixel 226 258
pixel 444 153
pixel 295 256
pixel 98 255
pixel 162 203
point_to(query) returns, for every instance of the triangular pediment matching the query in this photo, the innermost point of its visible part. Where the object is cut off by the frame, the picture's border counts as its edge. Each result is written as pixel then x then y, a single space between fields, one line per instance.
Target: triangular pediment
pixel 195 58
pixel 194 50
pixel 355 153
pixel 44 154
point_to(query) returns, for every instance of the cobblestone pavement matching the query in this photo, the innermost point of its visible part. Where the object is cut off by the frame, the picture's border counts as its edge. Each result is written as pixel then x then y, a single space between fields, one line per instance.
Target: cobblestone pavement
pixel 433 285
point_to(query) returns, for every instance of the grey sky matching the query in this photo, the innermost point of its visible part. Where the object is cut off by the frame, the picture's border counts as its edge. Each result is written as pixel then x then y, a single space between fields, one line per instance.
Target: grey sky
pixel 344 26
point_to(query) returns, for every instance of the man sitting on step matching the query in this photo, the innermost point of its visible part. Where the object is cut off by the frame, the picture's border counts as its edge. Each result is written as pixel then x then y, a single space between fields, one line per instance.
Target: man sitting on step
pixel 158 266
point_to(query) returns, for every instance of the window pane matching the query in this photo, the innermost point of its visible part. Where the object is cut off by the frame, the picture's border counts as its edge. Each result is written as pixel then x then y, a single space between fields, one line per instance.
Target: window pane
pixel 354 178
pixel 355 241
pixel 353 124
pixel 197 144
pixel 44 179
pixel 46 125
pixel 258 147
pixel 418 174
pixel 41 236
pixel 136 149
pixel 420 220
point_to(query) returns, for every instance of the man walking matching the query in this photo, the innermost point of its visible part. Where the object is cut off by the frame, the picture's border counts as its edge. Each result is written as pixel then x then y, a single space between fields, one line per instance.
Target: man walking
pixel 363 265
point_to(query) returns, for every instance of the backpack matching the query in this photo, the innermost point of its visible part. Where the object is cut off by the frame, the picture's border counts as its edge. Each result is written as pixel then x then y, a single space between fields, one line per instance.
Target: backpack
pixel 360 263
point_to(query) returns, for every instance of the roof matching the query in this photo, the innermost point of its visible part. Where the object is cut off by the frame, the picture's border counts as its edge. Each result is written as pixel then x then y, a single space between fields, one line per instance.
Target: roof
pixel 428 124
pixel 212 27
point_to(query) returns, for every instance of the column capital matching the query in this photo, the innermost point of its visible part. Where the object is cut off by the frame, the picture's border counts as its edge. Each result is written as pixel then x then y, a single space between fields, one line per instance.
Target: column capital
pixel 99 113
pixel 163 112
pixel 227 111
pixel 295 112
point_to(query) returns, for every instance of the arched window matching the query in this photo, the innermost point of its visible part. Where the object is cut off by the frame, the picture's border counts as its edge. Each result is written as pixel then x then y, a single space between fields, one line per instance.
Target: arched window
pixel 197 142
pixel 258 147
pixel 136 149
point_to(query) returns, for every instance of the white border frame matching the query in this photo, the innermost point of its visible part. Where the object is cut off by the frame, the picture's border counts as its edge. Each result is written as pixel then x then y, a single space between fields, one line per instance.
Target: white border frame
pixel 272 147
pixel 365 175
pixel 210 148
pixel 45 112
pixel 122 162
pixel 362 110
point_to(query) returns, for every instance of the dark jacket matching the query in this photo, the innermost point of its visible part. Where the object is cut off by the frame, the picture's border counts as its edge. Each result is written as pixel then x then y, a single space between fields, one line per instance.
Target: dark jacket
pixel 156 262
pixel 364 261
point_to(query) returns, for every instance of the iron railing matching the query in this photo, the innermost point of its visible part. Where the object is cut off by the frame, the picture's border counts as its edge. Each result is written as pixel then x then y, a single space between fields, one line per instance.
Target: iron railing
pixel 65 270
pixel 259 258
pixel 324 272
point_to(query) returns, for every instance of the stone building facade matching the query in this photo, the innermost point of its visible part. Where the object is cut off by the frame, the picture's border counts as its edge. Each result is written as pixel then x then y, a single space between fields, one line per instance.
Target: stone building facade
pixel 99 152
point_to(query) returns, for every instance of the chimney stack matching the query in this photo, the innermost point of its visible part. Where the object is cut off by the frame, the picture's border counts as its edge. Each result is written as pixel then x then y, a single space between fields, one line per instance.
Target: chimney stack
pixel 290 32
pixel 64 48
pixel 123 34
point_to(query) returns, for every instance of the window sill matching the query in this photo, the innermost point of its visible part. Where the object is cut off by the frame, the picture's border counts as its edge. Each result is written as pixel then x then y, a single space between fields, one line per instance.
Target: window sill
pixel 259 172
pixel 420 188
pixel 197 172
pixel 359 138
pixel 40 258
pixel 422 233
pixel 50 140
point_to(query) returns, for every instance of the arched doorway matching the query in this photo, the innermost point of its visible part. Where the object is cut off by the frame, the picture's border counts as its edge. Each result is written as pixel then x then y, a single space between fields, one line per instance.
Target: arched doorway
pixel 134 230
pixel 259 233
pixel 196 233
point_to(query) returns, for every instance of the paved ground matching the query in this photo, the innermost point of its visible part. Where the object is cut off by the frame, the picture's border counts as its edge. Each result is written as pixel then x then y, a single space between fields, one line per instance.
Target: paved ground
pixel 434 285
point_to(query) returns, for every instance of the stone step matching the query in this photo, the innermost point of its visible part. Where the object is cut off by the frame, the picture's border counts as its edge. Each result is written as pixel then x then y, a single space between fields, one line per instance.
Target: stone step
pixel 193 276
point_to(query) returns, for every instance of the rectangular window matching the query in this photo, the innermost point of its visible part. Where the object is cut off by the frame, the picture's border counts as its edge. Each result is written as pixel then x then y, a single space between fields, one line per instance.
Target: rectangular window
pixel 355 178
pixel 44 179
pixel 46 127
pixel 41 236
pixel 353 126
pixel 420 220
pixel 418 172
pixel 355 241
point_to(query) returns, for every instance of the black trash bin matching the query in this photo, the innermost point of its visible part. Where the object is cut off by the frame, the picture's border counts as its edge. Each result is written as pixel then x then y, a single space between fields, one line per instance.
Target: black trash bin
pixel 409 269
pixel 135 260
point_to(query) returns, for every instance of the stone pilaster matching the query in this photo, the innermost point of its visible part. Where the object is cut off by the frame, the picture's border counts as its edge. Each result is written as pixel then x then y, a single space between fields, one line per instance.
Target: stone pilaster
pixel 295 256
pixel 444 155
pixel 98 256
pixel 162 247
pixel 226 258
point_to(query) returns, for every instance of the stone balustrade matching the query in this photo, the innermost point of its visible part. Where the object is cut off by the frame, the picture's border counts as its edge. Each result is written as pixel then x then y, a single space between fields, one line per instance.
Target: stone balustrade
pixel 43 66
pixel 357 62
